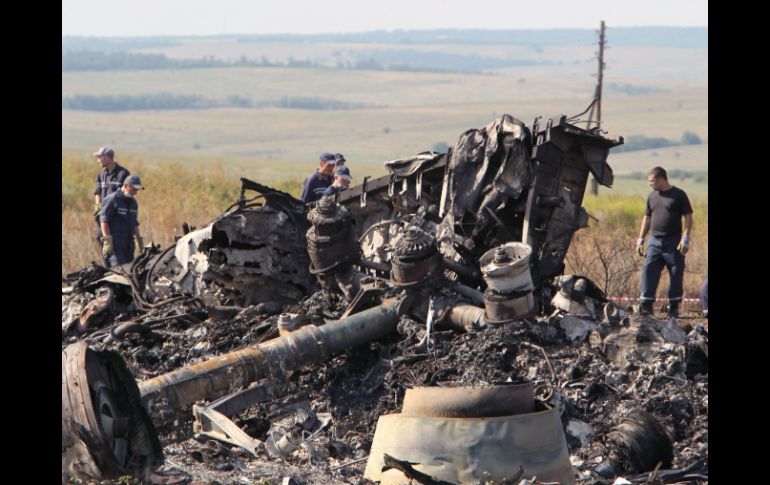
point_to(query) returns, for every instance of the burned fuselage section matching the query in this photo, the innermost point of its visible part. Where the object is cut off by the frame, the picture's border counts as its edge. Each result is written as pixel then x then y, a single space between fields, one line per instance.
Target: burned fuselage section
pixel 254 253
pixel 501 183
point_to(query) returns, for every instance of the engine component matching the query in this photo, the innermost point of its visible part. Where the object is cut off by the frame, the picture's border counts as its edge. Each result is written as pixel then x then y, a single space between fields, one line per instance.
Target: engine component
pixel 416 259
pixel 477 444
pixel 509 283
pixel 330 240
pixel 105 431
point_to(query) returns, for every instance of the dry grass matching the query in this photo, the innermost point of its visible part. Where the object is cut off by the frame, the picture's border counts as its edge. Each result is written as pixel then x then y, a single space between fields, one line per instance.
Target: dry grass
pixel 606 251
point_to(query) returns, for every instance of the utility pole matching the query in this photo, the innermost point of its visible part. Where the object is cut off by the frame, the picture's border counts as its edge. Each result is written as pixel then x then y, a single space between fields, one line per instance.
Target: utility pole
pixel 598 99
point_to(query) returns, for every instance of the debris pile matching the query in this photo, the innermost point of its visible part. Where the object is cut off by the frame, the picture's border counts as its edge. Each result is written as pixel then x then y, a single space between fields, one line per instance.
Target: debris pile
pixel 269 343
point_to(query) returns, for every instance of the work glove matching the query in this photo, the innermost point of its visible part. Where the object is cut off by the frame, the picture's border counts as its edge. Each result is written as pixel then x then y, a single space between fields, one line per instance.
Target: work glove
pixel 97 209
pixel 139 241
pixel 640 246
pixel 107 249
pixel 684 245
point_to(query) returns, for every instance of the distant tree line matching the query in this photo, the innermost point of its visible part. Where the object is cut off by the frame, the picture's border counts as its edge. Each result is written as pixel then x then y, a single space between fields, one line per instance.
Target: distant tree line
pixel 116 44
pixel 699 176
pixel 314 103
pixel 371 60
pixel 115 61
pixel 166 101
pixel 640 142
pixel 633 89
pixel 125 102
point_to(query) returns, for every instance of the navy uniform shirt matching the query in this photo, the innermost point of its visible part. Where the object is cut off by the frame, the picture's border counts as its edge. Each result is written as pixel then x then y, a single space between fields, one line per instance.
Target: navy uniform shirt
pixel 314 188
pixel 120 212
pixel 109 182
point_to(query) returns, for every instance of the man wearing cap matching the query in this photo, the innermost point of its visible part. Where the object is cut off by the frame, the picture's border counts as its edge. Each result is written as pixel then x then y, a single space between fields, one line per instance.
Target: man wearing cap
pixel 108 181
pixel 119 223
pixel 341 181
pixel 340 159
pixel 320 180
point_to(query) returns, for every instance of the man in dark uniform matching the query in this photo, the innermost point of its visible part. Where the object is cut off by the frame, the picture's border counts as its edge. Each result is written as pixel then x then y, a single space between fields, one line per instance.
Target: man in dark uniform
pixel 320 180
pixel 341 181
pixel 120 224
pixel 108 181
pixel 668 243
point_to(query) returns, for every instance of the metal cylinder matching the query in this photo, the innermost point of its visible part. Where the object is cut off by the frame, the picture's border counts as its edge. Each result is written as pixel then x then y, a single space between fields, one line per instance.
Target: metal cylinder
pixel 472 294
pixel 506 268
pixel 507 307
pixel 416 260
pixel 440 442
pixel 460 268
pixel 508 296
pixel 465 317
pixel 330 240
pixel 641 443
pixel 287 323
pixel 221 375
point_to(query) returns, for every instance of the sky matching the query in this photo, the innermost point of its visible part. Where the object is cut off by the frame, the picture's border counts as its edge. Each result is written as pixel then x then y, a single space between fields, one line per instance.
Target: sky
pixel 212 17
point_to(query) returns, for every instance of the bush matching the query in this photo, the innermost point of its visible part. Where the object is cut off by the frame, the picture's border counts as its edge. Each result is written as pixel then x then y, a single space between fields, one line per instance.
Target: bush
pixel 690 138
pixel 441 147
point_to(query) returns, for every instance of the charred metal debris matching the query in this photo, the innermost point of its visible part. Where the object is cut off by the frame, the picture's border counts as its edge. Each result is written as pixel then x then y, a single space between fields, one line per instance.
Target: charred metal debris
pixel 384 335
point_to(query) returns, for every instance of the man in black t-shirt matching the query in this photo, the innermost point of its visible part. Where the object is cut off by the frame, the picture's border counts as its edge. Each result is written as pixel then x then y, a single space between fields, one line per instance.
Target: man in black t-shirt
pixel 668 243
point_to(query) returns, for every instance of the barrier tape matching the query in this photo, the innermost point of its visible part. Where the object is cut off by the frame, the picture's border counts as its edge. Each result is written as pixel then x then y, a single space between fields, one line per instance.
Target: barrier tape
pixel 629 298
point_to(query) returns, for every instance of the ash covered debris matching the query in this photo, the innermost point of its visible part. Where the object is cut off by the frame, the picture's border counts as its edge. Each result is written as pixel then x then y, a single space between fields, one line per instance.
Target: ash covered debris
pixel 269 343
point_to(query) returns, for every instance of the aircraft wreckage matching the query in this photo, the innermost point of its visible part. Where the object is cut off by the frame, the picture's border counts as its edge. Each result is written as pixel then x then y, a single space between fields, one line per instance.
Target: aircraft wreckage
pixel 468 242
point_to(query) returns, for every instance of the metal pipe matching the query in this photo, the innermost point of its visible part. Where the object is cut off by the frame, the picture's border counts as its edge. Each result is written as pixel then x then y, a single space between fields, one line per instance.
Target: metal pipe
pixel 472 294
pixel 219 376
pixel 465 317
pixel 462 269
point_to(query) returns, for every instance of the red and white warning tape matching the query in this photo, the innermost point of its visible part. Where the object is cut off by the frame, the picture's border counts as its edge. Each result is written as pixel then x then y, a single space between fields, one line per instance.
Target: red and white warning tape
pixel 629 298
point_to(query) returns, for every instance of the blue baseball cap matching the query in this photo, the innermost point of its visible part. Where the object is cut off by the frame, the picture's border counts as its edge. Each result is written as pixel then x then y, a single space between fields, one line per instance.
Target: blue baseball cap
pixel 343 172
pixel 328 158
pixel 339 157
pixel 134 181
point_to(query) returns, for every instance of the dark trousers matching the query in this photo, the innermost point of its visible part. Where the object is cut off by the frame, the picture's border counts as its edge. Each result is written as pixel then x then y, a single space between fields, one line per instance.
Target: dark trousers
pixel 704 297
pixel 662 252
pixel 122 253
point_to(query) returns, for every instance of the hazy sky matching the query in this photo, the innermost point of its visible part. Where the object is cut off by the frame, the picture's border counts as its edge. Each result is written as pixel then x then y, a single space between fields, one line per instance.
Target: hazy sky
pixel 206 17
